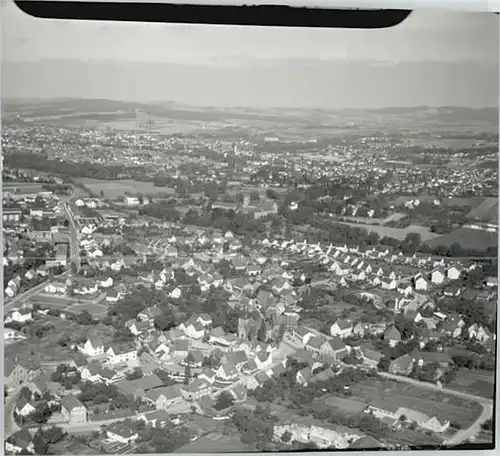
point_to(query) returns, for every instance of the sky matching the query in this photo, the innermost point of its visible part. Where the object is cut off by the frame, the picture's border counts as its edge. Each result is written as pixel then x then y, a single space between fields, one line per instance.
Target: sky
pixel 432 58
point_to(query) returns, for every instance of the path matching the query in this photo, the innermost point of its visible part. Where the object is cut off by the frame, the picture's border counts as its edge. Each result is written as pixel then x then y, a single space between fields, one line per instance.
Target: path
pixel 463 434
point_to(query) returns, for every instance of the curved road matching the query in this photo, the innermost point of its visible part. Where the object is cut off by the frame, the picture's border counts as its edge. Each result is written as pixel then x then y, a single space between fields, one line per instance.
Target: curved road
pixel 463 434
pixel 20 299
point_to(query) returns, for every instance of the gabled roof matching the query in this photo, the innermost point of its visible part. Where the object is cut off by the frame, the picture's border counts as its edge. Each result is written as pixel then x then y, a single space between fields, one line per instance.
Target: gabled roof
pixel 392 334
pixel 343 324
pixel 70 402
pixel 336 343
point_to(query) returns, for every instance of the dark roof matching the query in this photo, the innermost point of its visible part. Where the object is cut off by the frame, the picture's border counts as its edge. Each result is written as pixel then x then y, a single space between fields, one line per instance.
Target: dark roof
pixel 336 343
pixel 21 438
pixel 70 402
pixel 366 442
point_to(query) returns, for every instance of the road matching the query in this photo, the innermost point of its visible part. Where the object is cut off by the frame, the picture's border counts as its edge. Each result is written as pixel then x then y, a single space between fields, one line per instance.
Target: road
pixel 18 300
pixel 463 434
pixel 74 244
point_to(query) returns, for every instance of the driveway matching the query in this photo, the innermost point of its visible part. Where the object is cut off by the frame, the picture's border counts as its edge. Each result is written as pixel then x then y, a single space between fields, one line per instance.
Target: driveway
pixel 463 434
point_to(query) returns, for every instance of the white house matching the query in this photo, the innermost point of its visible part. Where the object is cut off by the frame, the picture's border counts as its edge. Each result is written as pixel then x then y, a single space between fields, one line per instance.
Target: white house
pixel 92 347
pixel 20 316
pixel 55 287
pixel 437 276
pixel 119 432
pixel 421 284
pixel 453 273
pixel 175 293
pixel 121 354
pixel 341 328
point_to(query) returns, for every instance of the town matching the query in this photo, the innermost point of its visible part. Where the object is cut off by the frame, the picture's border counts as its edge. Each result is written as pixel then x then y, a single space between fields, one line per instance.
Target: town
pixel 214 291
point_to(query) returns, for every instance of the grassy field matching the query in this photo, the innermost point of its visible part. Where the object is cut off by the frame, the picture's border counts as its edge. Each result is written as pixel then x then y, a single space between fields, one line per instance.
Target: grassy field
pixel 115 189
pixel 216 443
pixel 396 233
pixel 467 238
pixel 487 211
pixel 73 305
pixel 479 383
pixel 458 411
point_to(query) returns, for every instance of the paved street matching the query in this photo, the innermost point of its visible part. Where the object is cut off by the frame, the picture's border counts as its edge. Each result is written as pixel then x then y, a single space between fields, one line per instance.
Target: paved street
pixel 463 434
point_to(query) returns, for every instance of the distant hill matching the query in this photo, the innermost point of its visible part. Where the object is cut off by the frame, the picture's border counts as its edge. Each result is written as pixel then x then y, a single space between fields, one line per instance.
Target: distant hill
pixel 321 84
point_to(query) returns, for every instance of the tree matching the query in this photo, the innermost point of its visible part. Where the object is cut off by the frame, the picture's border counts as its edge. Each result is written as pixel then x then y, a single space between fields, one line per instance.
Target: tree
pixel 64 340
pixel 224 401
pixel 286 437
pixel 85 318
pixel 262 334
pixel 135 374
pixel 384 364
pixel 187 374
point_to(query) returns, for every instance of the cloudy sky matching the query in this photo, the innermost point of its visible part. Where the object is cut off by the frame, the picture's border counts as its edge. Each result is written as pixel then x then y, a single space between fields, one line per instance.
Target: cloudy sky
pixel 432 58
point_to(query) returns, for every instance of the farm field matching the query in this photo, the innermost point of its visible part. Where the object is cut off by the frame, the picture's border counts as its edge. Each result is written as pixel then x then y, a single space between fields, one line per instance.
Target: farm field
pixel 487 211
pixel 460 412
pixel 396 233
pixel 479 383
pixel 115 189
pixel 467 238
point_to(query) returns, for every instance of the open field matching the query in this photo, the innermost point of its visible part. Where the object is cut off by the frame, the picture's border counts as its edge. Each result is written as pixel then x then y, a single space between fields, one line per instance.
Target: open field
pixel 459 412
pixel 487 211
pixel 114 189
pixel 396 233
pixel 479 383
pixel 467 238
pixel 216 443
pixel 97 308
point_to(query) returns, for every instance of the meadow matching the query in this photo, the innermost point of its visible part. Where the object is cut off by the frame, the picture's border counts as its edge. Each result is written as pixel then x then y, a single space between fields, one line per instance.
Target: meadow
pixel 114 189
pixel 460 412
pixel 479 383
pixel 396 233
pixel 467 238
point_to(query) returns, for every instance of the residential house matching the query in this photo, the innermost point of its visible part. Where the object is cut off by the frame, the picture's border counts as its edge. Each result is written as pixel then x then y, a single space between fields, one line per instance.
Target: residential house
pixel 263 360
pixel 20 316
pixel 139 387
pixel 453 273
pixel 426 358
pixel 371 357
pixel 20 442
pixel 24 407
pixel 402 365
pixel 303 335
pixel 438 276
pixel 193 329
pixel 452 327
pixel 303 376
pixel 122 433
pixel 341 328
pixel 121 353
pixel 180 348
pixel 226 374
pixel 165 397
pixel 73 410
pixel 421 284
pixel 195 390
pixel 393 336
pixel 157 419
pixel 334 348
pixel 480 333
pixel 55 287
pixel 92 347
pixel 113 296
